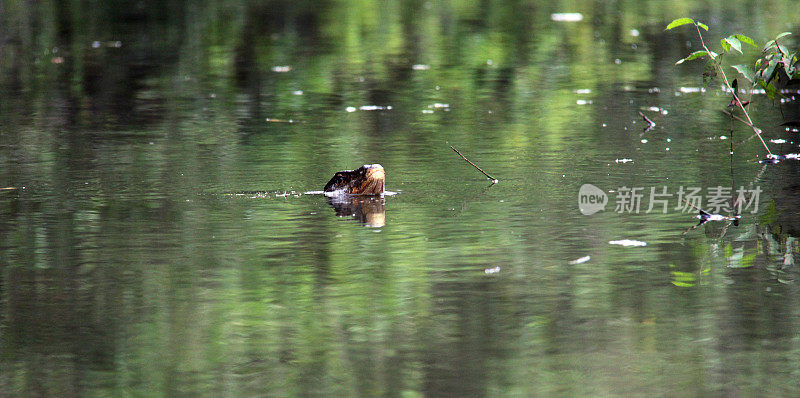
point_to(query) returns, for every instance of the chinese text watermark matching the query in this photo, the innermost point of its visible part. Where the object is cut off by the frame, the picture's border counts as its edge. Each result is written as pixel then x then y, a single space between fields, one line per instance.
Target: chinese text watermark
pixel 661 199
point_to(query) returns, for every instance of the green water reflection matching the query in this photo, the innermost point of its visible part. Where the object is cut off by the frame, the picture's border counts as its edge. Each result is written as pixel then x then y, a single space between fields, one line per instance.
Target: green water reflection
pixel 155 238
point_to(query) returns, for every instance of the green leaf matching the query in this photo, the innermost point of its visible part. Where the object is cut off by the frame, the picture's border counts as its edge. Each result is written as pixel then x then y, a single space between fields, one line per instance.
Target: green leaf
pixel 784 34
pixel 769 89
pixel 702 25
pixel 679 22
pixel 745 39
pixel 694 55
pixel 734 42
pixel 769 73
pixel 769 44
pixel 787 65
pixel 746 71
pixel 725 45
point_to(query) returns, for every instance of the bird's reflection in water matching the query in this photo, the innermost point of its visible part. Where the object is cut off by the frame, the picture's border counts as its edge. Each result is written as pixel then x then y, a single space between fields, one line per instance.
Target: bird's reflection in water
pixel 369 210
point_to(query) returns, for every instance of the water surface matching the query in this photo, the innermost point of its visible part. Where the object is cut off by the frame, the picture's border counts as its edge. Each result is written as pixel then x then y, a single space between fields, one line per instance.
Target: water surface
pixel 156 238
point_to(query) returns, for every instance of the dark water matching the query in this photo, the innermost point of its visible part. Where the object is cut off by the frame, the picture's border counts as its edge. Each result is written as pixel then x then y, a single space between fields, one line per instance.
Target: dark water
pixel 155 238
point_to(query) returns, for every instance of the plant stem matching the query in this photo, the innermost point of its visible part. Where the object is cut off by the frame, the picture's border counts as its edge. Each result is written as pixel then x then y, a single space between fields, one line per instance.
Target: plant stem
pixel 719 69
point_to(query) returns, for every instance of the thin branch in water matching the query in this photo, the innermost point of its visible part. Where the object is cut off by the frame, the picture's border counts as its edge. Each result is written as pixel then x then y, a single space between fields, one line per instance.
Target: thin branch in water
pixel 651 123
pixel 755 129
pixel 733 179
pixel 494 180
pixel 647 119
pixel 741 120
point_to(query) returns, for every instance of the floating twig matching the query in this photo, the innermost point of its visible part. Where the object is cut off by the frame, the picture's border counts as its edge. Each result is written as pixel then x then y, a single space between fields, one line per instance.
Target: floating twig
pixel 273 120
pixel 651 123
pixel 494 180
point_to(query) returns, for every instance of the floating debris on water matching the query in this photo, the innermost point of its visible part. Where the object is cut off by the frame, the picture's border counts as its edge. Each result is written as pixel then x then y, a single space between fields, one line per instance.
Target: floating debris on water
pixel 351 109
pixel 778 141
pixel 624 160
pixel 374 107
pixel 281 68
pixel 444 107
pixel 494 270
pixel 628 242
pixel 272 120
pixel 771 159
pixel 688 90
pixel 297 92
pixel 110 44
pixel 793 156
pixel 584 102
pixel 581 260
pixel 566 17
pixel 644 141
pixel 583 91
pixel 420 67
pixel 659 110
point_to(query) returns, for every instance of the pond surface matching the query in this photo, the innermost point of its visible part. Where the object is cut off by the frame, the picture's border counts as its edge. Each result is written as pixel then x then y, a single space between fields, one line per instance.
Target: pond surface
pixel 156 237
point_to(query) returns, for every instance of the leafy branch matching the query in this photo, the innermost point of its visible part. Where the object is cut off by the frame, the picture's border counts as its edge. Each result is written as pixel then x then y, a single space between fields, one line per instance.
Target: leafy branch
pixel 775 59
